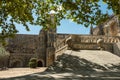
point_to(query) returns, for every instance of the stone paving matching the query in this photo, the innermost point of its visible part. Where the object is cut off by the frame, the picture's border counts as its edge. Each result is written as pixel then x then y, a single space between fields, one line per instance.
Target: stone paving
pixel 16 72
pixel 98 57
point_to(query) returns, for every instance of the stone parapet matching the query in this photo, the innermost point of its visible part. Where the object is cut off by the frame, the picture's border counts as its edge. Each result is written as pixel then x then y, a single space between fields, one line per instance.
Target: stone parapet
pixel 93 39
pixel 88 42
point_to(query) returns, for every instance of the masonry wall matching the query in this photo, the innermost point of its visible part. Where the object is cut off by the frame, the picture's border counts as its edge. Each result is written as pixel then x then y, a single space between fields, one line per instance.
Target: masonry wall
pixel 111 27
pixel 117 48
pixel 24 47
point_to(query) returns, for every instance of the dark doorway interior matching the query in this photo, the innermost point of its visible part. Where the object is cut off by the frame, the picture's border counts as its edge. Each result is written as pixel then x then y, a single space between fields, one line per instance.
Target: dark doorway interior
pixel 16 64
pixel 39 64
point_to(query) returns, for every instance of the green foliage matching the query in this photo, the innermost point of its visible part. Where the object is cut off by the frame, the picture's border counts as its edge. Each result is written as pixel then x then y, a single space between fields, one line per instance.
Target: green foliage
pixel 33 63
pixel 3 53
pixel 33 60
pixel 14 11
pixel 86 12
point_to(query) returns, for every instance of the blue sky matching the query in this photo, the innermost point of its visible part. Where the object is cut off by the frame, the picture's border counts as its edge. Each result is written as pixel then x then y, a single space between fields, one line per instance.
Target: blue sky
pixel 66 27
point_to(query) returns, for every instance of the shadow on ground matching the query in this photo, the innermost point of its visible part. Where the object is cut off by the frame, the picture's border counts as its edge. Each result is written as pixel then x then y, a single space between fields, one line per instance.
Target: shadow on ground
pixel 68 67
pixel 69 76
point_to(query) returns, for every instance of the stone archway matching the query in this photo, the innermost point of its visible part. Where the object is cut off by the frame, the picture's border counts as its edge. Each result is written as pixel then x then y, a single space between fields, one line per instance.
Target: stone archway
pixel 16 63
pixel 40 63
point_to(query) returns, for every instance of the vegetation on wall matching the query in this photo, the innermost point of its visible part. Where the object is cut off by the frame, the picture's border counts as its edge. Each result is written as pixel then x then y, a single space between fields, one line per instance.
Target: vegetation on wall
pixel 33 63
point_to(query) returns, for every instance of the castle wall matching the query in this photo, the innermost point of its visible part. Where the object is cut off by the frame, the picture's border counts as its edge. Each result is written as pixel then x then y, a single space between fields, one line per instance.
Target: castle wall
pixel 109 28
pixel 22 48
pixel 23 44
pixel 47 43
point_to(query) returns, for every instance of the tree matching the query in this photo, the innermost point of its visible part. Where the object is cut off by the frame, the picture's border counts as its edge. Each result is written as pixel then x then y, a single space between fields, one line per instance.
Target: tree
pixel 4 56
pixel 14 11
pixel 86 12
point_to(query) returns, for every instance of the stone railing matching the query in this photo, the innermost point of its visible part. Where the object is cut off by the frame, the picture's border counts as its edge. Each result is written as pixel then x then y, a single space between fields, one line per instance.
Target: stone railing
pixel 61 47
pixel 61 50
pixel 89 42
pixel 92 46
pixel 93 39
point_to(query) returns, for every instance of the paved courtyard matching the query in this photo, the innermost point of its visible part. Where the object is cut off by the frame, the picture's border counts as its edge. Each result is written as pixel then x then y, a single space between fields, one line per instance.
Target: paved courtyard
pixel 98 57
pixel 16 72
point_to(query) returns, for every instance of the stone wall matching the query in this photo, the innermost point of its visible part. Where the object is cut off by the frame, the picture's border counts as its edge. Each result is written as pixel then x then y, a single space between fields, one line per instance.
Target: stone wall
pixel 20 60
pixel 23 44
pixel 110 27
pixel 116 48
pixel 23 47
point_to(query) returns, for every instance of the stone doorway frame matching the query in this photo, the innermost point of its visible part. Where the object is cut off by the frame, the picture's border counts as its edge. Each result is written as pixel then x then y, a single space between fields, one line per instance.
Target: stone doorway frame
pixel 41 63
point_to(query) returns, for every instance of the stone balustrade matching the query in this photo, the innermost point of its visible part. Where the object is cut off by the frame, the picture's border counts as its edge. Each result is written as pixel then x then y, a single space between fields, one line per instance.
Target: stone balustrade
pixel 61 47
pixel 93 39
pixel 61 44
pixel 87 42
pixel 60 51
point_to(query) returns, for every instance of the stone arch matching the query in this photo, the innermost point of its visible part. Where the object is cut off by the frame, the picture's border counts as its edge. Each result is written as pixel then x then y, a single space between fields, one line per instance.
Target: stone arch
pixel 40 63
pixel 16 63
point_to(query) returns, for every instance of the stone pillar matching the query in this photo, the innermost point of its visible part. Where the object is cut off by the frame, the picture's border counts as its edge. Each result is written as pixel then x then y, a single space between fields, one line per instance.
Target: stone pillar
pixel 50 56
pixel 50 51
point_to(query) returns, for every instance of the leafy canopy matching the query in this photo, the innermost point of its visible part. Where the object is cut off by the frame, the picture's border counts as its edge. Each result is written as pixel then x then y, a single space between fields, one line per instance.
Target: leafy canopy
pixel 86 12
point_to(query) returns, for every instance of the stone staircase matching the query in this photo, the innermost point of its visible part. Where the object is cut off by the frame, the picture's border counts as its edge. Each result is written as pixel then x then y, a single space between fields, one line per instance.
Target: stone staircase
pixel 89 42
pixel 86 47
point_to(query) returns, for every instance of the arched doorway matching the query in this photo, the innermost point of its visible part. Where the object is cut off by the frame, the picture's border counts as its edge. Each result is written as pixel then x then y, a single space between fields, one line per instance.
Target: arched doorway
pixel 39 63
pixel 16 64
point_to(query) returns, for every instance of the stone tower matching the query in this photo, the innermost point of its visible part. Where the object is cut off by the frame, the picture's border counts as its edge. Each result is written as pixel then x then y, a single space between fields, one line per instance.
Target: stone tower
pixel 46 46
